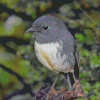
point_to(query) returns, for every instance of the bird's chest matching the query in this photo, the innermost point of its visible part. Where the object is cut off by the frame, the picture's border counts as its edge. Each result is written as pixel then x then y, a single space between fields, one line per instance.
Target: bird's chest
pixel 47 53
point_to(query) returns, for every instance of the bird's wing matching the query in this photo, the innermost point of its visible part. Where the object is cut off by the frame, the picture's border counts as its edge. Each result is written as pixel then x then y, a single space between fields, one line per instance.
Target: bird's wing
pixel 69 47
pixel 77 64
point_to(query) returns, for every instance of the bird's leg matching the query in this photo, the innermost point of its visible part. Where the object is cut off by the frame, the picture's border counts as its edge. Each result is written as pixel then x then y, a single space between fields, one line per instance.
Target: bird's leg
pixel 68 78
pixel 71 79
pixel 69 82
pixel 52 88
pixel 74 76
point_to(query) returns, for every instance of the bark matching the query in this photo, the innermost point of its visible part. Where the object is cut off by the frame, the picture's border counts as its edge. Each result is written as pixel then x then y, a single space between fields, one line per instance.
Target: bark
pixel 75 92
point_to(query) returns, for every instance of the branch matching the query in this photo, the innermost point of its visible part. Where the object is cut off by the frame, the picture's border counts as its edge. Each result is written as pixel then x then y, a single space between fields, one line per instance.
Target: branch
pixel 16 92
pixel 26 86
pixel 19 41
pixel 75 92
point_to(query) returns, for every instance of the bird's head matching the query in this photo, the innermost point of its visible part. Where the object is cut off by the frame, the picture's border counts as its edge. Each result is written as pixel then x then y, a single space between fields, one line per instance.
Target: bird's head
pixel 47 28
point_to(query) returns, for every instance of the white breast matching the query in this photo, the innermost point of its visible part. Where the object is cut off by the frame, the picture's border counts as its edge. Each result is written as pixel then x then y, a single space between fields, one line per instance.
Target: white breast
pixel 48 55
pixel 49 47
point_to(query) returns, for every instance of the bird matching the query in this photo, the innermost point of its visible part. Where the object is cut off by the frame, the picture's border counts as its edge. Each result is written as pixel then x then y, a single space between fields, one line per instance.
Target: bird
pixel 55 48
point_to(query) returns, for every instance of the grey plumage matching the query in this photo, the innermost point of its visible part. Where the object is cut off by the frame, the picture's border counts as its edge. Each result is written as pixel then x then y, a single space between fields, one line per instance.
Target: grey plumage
pixel 52 31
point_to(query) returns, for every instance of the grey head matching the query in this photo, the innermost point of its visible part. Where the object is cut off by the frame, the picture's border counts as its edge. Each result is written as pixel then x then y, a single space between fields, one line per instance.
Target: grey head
pixel 49 29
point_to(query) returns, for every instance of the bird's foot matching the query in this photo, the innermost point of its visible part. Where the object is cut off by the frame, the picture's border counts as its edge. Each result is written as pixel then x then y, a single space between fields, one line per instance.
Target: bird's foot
pixel 62 90
pixel 52 90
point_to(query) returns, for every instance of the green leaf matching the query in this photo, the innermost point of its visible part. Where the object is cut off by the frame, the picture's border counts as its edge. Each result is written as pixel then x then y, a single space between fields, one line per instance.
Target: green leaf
pixel 92 97
pixel 4 79
pixel 79 36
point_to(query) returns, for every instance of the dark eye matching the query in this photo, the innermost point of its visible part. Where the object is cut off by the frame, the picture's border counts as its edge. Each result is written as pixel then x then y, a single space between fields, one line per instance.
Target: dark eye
pixel 45 27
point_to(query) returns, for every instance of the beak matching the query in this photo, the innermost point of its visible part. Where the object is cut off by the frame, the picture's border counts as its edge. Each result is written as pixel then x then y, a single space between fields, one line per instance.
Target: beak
pixel 32 29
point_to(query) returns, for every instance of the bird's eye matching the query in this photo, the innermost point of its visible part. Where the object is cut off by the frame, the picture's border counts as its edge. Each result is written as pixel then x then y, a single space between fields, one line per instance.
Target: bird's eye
pixel 45 27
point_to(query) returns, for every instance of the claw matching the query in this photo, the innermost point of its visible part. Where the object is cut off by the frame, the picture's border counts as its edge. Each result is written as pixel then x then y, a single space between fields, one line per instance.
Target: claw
pixel 57 92
pixel 62 90
pixel 52 90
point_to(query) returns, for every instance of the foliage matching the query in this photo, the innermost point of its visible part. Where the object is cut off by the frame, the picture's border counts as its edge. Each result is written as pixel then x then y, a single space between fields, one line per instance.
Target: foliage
pixel 17 51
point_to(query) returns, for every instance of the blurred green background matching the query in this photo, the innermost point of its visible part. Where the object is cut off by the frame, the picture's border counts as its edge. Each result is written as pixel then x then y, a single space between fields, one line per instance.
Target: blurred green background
pixel 17 56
